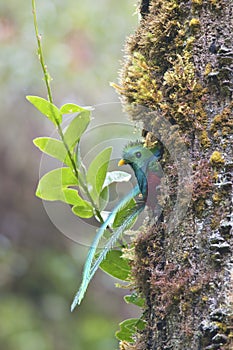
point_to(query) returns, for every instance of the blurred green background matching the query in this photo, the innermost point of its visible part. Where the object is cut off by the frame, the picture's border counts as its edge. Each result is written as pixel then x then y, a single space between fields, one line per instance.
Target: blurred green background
pixel 40 268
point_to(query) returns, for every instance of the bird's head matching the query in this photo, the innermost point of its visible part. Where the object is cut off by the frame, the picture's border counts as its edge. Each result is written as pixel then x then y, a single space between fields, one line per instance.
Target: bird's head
pixel 138 156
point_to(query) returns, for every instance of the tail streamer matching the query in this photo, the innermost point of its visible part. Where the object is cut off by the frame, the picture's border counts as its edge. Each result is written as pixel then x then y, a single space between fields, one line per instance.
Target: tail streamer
pixel 92 264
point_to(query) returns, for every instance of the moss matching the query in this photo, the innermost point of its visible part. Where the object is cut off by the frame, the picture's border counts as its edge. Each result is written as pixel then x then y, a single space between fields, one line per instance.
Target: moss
pixel 189 42
pixel 199 207
pixel 160 73
pixel 141 85
pixel 127 346
pixel 221 326
pixel 197 2
pixel 169 285
pixel 157 38
pixel 194 22
pixel 204 139
pixel 216 4
pixel 202 184
pixel 195 289
pixel 141 262
pixel 170 85
pixel 208 68
pixel 215 175
pixel 185 255
pixel 217 197
pixel 217 159
pixel 222 123
pixel 215 221
pixel 151 141
pixel 182 73
pixel 183 92
pixel 185 306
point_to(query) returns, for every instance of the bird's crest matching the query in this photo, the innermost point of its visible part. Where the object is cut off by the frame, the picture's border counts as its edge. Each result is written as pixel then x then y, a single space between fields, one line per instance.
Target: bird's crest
pixel 132 144
pixel 150 142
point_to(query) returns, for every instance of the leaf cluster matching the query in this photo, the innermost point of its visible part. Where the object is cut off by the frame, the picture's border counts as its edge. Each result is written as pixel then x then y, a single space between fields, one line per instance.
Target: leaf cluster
pixel 72 182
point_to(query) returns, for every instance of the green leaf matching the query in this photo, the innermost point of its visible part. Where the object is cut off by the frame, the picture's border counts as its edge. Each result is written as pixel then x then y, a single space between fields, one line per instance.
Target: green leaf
pixel 116 176
pixel 128 328
pixel 134 299
pixel 112 177
pixel 73 108
pixel 52 147
pixel 115 265
pixel 83 211
pixel 47 108
pixel 54 186
pixel 124 213
pixel 76 128
pixel 97 172
pixel 71 196
pixel 104 198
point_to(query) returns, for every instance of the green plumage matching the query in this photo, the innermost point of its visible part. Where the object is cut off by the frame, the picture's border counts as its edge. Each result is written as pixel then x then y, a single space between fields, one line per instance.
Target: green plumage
pixel 144 162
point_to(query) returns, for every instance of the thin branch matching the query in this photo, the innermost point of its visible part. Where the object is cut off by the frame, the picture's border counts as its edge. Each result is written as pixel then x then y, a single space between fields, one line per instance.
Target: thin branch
pixel 47 79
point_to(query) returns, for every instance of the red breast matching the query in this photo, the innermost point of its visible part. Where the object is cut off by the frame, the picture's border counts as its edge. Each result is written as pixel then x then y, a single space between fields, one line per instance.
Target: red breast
pixel 153 181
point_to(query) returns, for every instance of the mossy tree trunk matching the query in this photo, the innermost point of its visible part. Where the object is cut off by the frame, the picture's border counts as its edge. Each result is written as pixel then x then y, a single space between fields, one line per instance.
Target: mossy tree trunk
pixel 179 64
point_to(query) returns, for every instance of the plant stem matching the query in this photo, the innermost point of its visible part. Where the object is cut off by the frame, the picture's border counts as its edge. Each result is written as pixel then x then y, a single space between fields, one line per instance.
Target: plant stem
pixel 47 79
pixel 40 53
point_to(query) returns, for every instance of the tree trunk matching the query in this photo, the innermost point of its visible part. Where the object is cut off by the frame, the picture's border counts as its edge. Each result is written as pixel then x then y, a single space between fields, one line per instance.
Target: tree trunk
pixel 179 68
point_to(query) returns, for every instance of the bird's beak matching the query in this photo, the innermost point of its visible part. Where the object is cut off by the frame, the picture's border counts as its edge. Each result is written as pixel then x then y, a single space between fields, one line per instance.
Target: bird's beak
pixel 121 162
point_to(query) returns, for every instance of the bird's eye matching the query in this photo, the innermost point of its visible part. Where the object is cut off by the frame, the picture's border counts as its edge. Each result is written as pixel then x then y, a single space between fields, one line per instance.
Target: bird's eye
pixel 138 154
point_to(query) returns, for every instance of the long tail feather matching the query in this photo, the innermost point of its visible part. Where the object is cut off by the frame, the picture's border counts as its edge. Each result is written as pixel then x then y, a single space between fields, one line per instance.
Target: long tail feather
pixel 112 240
pixel 88 271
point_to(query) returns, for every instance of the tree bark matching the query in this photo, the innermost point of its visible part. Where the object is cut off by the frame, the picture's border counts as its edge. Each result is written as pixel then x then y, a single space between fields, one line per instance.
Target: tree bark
pixel 179 66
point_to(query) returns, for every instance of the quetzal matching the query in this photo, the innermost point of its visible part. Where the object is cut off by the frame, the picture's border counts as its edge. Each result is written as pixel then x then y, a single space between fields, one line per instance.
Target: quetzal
pixel 144 162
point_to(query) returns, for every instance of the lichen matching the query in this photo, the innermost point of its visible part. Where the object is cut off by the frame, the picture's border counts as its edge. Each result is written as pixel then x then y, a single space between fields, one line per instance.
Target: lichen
pixel 217 159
